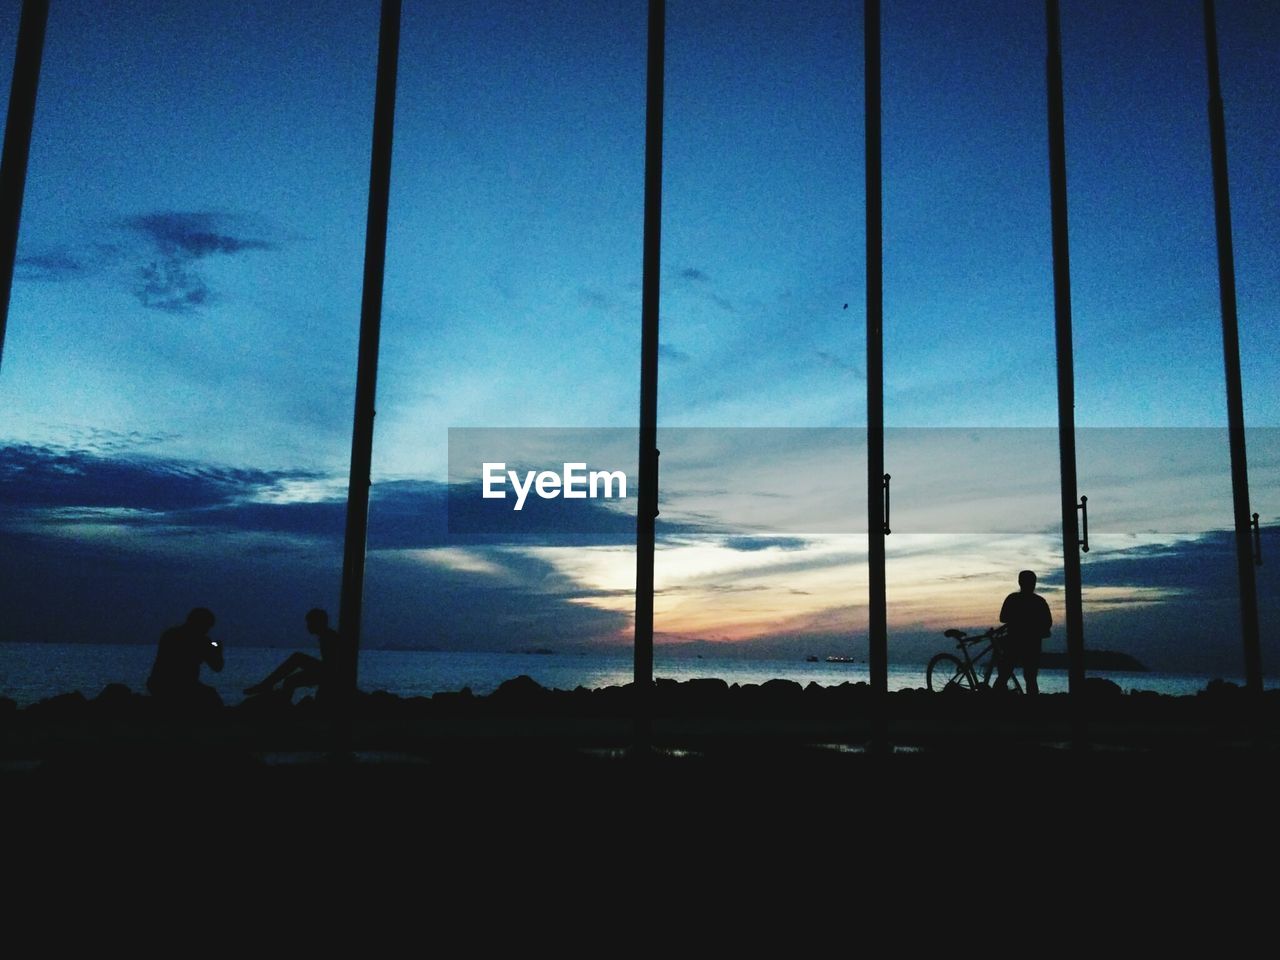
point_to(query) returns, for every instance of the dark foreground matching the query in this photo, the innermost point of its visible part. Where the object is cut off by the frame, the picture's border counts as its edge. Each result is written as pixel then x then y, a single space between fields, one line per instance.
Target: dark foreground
pixel 538 776
pixel 701 730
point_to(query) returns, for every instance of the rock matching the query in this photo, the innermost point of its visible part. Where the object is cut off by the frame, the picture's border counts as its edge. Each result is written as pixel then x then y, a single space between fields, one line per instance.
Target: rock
pixel 1220 688
pixel 521 686
pixel 778 691
pixel 1100 688
pixel 519 693
pixel 113 695
pixel 63 706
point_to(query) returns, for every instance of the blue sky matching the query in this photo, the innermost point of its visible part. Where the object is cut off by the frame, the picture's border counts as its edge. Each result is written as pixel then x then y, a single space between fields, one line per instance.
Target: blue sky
pixel 188 288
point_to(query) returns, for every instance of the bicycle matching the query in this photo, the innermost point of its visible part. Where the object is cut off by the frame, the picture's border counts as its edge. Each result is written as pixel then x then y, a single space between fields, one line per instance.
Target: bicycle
pixel 948 672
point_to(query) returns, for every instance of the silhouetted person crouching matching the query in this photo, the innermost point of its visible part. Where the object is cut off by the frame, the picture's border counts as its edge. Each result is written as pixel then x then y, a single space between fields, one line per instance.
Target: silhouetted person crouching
pixel 1027 615
pixel 327 674
pixel 175 675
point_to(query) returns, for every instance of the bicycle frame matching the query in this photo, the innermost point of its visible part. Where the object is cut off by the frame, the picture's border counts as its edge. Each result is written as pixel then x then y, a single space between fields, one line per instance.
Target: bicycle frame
pixel 972 662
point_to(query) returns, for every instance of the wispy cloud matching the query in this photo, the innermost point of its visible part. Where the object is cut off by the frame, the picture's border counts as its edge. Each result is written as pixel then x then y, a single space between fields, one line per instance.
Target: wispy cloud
pixel 831 360
pixel 699 283
pixel 51 266
pixel 595 299
pixel 667 352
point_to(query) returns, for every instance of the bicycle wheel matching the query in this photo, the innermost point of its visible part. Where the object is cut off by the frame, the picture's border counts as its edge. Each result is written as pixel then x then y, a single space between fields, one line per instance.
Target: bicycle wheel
pixel 946 672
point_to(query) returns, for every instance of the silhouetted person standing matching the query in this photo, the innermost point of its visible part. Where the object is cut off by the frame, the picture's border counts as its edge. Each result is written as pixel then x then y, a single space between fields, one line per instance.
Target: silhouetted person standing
pixel 175 675
pixel 1027 615
pixel 304 670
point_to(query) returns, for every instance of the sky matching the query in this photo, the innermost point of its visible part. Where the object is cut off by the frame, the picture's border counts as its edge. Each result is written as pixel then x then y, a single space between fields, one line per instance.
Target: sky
pixel 178 375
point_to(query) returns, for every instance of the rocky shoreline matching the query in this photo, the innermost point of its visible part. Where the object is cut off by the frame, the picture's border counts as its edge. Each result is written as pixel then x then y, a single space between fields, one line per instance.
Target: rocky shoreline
pixel 693 716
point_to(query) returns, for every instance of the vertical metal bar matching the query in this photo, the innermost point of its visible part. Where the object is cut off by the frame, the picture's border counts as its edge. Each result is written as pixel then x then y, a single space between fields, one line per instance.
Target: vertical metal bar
pixel 1066 372
pixel 375 258
pixel 1231 356
pixel 17 143
pixel 878 655
pixel 647 506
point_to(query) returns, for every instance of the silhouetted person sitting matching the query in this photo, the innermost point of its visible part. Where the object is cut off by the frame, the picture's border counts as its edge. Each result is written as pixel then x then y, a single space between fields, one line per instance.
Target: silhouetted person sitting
pixel 175 675
pixel 1027 615
pixel 304 670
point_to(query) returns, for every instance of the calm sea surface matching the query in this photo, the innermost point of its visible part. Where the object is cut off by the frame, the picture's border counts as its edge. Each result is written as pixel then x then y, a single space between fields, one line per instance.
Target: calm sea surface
pixel 30 672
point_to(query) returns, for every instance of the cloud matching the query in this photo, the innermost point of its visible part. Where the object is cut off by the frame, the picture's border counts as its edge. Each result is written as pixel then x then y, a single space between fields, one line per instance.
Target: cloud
pixel 595 299
pixel 701 286
pixel 55 265
pixel 44 486
pixel 1202 565
pixel 91 590
pixel 148 537
pixel 34 477
pixel 191 236
pixel 87 530
pixel 765 543
pixel 831 360
pixel 1175 605
pixel 171 282
pixel 168 285
pixel 161 254
pixel 667 352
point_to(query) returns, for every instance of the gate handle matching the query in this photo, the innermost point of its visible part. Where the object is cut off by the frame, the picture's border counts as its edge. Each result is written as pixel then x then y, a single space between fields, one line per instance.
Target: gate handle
pixel 1083 507
pixel 886 504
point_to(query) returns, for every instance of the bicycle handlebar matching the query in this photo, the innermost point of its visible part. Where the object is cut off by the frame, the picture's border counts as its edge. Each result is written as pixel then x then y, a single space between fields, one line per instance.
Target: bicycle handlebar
pixel 991 633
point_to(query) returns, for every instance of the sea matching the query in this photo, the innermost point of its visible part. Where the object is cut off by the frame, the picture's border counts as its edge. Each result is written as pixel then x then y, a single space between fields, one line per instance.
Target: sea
pixel 30 672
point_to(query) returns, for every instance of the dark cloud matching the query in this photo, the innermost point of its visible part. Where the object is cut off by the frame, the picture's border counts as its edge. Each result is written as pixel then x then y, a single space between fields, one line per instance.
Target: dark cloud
pixel 171 282
pixel 191 236
pixel 170 286
pixel 33 477
pixel 192 534
pixel 93 591
pixel 161 253
pixel 1194 623
pixel 43 484
pixel 1204 566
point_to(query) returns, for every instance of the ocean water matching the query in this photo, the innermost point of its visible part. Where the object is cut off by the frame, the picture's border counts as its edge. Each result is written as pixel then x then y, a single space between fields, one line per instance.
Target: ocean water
pixel 30 672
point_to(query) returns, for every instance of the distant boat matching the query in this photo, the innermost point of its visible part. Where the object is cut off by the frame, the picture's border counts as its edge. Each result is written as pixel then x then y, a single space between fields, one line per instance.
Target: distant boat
pixel 841 660
pixel 811 659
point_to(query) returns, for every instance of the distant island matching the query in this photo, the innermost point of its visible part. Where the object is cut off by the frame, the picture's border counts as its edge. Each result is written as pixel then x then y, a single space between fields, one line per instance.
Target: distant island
pixel 1101 661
